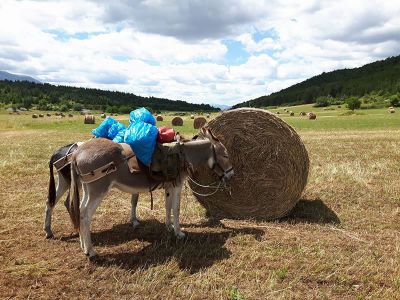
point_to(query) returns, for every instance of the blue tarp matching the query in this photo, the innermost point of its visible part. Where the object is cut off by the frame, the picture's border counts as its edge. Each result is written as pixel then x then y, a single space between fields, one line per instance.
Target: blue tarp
pixel 142 138
pixel 117 132
pixel 103 128
pixel 141 134
pixel 142 115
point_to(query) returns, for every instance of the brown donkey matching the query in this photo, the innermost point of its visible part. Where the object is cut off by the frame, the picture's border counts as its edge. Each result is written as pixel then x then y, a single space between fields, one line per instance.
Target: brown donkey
pixel 205 149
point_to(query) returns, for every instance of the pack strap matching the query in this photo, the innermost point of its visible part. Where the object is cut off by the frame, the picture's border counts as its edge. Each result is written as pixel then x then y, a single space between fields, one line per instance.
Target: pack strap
pixel 99 173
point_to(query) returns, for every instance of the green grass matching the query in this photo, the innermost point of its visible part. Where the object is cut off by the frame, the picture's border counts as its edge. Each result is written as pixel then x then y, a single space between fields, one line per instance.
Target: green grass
pixel 332 118
pixel 328 119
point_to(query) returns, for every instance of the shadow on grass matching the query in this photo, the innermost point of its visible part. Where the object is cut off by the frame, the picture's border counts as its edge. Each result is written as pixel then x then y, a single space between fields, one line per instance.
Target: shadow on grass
pixel 197 251
pixel 312 211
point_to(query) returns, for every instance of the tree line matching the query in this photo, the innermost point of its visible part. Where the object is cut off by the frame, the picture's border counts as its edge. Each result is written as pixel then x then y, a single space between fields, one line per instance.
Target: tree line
pixel 379 78
pixel 63 98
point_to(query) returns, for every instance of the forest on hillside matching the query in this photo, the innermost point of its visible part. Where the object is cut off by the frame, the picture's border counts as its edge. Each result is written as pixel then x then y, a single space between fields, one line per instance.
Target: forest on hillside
pixel 380 78
pixel 63 98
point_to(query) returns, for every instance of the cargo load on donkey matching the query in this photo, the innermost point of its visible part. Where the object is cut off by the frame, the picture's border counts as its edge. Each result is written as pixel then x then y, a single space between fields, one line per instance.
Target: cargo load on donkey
pixel 154 148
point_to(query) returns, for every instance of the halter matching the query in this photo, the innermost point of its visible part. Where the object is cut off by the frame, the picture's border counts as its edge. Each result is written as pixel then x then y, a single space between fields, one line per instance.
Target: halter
pixel 217 165
pixel 216 184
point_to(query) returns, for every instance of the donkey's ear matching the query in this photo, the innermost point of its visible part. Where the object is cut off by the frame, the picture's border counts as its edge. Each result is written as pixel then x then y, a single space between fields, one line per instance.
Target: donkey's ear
pixel 204 129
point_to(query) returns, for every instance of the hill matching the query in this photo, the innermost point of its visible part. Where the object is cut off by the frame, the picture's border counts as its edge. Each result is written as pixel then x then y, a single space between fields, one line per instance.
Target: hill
pixel 380 76
pixel 14 77
pixel 50 97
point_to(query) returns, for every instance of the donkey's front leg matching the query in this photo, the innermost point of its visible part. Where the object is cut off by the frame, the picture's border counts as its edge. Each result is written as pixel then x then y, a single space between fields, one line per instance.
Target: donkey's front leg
pixel 168 208
pixel 134 220
pixel 176 207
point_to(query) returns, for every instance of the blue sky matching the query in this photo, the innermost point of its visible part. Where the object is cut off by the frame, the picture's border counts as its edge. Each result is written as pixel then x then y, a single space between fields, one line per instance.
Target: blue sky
pixel 199 51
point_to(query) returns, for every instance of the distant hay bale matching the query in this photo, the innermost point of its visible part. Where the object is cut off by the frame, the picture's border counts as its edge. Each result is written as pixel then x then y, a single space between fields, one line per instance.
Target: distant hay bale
pixel 291 114
pixel 339 106
pixel 199 122
pixel 48 114
pixel 89 119
pixel 41 115
pixel 277 112
pixel 103 116
pixel 160 118
pixel 177 121
pixel 192 117
pixel 391 110
pixel 35 116
pixel 57 114
pixel 62 115
pixel 311 116
pixel 70 115
pixel 303 114
pixel 270 163
pixel 208 115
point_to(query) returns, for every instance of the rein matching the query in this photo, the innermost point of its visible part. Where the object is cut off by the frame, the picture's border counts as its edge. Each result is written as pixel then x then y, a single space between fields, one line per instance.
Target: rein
pixel 212 186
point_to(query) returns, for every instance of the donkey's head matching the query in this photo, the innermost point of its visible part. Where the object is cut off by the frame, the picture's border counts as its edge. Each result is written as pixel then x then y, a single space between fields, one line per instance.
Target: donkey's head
pixel 219 159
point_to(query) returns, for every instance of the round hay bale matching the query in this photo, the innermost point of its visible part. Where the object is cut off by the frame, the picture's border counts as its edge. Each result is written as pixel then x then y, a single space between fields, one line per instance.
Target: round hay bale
pixel 208 115
pixel 48 114
pixel 70 115
pixel 292 114
pixel 391 110
pixel 177 121
pixel 192 117
pixel 311 116
pixel 57 114
pixel 199 122
pixel 41 115
pixel 339 106
pixel 35 116
pixel 277 112
pixel 62 115
pixel 103 116
pixel 303 114
pixel 270 164
pixel 89 119
pixel 160 118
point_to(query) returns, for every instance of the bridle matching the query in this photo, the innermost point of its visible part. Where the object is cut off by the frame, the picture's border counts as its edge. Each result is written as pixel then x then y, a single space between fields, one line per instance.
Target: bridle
pixel 216 185
pixel 216 165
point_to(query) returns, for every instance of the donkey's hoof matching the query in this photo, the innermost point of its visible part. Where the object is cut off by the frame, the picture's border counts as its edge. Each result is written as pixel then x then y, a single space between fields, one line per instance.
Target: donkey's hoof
pixel 135 224
pixel 180 235
pixel 91 254
pixel 170 227
pixel 49 235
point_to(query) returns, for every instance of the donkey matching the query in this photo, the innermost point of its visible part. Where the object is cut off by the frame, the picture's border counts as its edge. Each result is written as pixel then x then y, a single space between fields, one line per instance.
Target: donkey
pixel 205 149
pixel 63 185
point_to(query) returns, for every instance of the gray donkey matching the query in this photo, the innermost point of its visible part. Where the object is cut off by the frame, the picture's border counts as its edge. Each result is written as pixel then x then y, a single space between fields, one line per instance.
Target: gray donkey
pixel 205 149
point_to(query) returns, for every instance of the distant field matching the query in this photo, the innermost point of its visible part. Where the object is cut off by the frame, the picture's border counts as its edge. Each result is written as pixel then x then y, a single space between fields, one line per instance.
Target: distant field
pixel 332 118
pixel 341 241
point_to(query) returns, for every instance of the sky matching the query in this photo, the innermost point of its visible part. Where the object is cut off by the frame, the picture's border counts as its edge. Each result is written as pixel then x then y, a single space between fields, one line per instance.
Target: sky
pixel 200 51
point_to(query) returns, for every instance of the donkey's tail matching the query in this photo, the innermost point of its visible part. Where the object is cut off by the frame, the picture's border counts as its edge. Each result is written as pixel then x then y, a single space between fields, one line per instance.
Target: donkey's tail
pixel 74 212
pixel 51 197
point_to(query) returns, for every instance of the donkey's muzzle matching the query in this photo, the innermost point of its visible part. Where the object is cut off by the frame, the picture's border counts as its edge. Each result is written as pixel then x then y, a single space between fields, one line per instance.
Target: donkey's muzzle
pixel 227 176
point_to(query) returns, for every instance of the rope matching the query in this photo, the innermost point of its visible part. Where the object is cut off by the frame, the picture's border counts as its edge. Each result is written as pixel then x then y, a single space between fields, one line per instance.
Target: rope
pixel 211 185
pixel 217 188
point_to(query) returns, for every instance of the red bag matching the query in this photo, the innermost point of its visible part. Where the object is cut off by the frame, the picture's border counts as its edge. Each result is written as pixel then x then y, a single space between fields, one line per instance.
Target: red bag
pixel 165 134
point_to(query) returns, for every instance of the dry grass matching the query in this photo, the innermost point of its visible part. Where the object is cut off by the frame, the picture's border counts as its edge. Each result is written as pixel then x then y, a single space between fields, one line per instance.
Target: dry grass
pixel 341 242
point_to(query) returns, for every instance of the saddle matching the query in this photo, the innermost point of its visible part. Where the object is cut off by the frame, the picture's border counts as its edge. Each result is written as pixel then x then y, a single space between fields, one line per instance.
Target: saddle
pixel 166 162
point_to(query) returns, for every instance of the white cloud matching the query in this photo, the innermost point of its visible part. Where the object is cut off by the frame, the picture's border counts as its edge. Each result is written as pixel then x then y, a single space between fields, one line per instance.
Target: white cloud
pixel 177 50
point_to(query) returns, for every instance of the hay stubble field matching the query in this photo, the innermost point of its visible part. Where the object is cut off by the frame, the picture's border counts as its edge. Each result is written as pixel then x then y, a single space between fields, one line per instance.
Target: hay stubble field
pixel 342 241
